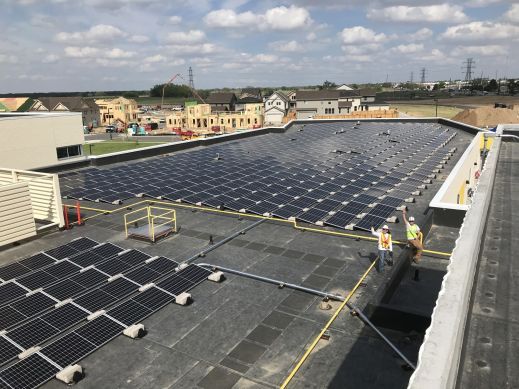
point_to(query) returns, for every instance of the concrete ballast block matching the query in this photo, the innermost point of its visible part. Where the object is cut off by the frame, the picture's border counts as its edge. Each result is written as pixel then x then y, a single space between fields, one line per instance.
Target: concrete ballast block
pixel 183 298
pixel 216 276
pixel 70 374
pixel 28 352
pixel 135 331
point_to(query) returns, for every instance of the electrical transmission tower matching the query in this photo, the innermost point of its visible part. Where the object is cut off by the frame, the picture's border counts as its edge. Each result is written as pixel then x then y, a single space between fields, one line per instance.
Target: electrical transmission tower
pixel 191 82
pixel 412 77
pixel 423 76
pixel 468 67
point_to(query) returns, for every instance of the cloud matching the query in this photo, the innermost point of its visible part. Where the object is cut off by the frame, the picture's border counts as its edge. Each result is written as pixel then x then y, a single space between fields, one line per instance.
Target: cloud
pixel 411 48
pixel 311 36
pixel 175 19
pixel 181 37
pixel 101 33
pixel 361 49
pixel 441 13
pixel 50 58
pixel 278 18
pixel 286 46
pixel 488 50
pixel 155 58
pixel 420 35
pixel 264 58
pixel 481 3
pixel 202 48
pixel 513 14
pixel 94 52
pixel 6 58
pixel 481 31
pixel 359 34
pixel 138 39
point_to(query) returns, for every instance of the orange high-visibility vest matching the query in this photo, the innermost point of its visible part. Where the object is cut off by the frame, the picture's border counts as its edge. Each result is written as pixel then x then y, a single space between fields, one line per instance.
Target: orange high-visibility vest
pixel 385 240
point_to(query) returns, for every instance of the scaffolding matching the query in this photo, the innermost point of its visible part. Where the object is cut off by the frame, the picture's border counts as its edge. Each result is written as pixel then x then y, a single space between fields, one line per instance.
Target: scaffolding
pixel 150 223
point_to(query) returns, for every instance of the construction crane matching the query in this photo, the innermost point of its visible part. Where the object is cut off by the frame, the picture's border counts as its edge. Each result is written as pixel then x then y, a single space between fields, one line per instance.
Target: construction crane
pixel 195 93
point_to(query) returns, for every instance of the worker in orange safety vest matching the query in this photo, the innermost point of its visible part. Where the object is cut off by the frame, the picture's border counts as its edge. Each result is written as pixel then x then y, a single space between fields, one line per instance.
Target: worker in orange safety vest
pixel 385 247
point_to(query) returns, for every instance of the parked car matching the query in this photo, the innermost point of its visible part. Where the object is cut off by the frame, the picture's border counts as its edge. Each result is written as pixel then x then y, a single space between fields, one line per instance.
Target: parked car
pixel 110 128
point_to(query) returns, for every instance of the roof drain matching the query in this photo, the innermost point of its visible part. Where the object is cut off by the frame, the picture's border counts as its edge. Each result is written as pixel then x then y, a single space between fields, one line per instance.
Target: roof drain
pixel 354 310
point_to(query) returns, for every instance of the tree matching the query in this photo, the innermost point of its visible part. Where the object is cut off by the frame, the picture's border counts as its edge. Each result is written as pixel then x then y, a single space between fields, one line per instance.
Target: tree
pixel 328 85
pixel 439 85
pixel 512 86
pixel 492 86
pixel 170 91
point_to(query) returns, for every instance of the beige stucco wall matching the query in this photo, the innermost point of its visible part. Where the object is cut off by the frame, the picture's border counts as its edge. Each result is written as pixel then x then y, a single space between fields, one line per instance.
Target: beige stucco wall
pixel 30 141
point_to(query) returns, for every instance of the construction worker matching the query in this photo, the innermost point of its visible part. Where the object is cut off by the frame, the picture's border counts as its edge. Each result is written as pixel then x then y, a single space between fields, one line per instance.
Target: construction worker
pixel 385 247
pixel 413 236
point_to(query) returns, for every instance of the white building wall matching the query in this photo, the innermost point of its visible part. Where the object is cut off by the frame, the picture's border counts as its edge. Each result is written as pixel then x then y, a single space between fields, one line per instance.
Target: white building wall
pixel 30 141
pixel 274 116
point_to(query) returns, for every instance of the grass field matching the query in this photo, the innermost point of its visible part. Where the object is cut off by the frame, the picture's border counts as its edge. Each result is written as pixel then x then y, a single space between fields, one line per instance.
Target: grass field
pixel 107 147
pixel 422 110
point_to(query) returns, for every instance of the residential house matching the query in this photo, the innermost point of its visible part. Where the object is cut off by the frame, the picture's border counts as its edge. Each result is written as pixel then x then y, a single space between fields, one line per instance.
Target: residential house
pixel 336 102
pixel 251 92
pixel 89 109
pixel 292 96
pixel 201 116
pixel 344 87
pixel 276 107
pixel 119 111
pixel 222 101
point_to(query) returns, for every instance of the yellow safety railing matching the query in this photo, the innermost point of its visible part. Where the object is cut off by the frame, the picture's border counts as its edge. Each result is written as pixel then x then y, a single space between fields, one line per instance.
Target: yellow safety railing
pixel 293 222
pixel 167 217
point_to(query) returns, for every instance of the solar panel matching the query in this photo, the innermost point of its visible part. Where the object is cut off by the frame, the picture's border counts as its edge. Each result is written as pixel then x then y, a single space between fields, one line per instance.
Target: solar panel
pixel 353 207
pixel 162 265
pixel 68 349
pixel 100 330
pixel 12 271
pixel 7 350
pixel 113 266
pixel 142 275
pixel 64 289
pixel 313 215
pixel 9 316
pixel 10 291
pixel 107 250
pixel 37 261
pixel 120 288
pixel 153 298
pixel 94 300
pixel 391 201
pixel 89 278
pixel 36 280
pixel 33 304
pixel 175 284
pixel 83 243
pixel 194 273
pixel 340 219
pixel 133 257
pixel 32 333
pixel 61 252
pixel 30 372
pixel 65 316
pixel 62 269
pixel 369 221
pixel 129 312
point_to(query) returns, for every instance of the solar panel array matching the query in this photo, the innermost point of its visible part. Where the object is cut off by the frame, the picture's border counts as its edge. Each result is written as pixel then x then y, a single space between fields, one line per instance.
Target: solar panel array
pixel 334 174
pixel 115 283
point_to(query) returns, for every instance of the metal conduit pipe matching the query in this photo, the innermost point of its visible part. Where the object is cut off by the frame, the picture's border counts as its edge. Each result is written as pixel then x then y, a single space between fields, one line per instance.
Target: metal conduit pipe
pixel 273 281
pixel 222 242
pixel 365 319
pixel 316 292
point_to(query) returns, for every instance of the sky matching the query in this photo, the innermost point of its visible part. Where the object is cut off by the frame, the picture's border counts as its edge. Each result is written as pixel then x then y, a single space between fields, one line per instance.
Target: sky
pixel 86 45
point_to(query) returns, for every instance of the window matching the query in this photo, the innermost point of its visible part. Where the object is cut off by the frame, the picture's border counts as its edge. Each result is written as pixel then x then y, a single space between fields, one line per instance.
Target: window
pixel 68 151
pixel 333 110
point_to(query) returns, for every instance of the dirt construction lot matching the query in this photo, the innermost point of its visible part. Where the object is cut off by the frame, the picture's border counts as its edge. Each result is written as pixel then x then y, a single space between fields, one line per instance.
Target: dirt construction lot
pixel 466 101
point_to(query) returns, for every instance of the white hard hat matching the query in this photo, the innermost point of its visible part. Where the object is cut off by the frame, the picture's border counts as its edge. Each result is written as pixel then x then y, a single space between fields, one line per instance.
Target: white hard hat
pixel 385 227
pixel 411 218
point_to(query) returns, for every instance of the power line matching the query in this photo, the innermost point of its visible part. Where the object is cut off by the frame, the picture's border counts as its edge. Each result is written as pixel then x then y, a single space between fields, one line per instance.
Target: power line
pixel 191 82
pixel 468 67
